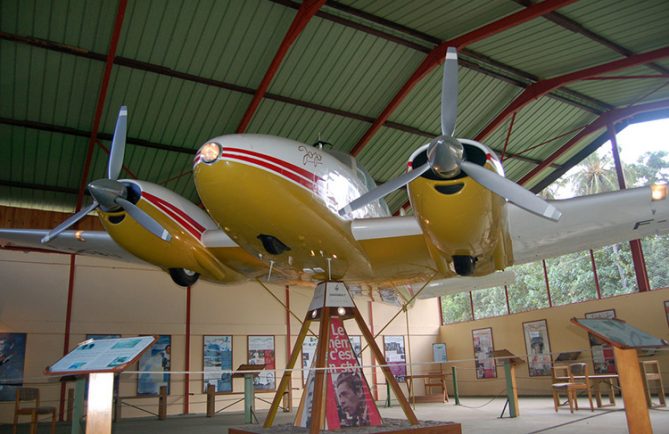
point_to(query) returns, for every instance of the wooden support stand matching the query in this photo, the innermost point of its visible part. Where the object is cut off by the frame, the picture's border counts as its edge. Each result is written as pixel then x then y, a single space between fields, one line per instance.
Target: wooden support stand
pixel 625 341
pixel 510 362
pixel 323 313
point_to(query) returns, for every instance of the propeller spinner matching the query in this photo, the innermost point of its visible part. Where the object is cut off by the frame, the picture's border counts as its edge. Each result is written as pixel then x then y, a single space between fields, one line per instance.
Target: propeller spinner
pixel 109 194
pixel 446 158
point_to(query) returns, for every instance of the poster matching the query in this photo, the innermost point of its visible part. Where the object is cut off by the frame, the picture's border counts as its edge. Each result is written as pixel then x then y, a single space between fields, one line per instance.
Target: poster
pixel 603 360
pixel 439 353
pixel 217 353
pixel 154 367
pixel 538 348
pixel 12 357
pixel 483 348
pixel 349 402
pixel 393 348
pixel 308 354
pixel 261 352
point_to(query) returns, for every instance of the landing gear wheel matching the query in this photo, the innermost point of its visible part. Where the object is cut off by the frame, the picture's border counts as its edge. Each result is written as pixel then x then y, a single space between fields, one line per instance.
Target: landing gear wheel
pixel 184 277
pixel 464 265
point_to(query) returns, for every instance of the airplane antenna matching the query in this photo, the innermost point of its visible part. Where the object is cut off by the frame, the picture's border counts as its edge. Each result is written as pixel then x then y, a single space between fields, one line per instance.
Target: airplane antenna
pixel 271 265
pixel 329 268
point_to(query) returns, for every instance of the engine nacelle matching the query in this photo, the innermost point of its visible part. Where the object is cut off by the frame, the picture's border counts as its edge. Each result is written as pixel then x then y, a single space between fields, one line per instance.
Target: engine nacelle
pixel 184 254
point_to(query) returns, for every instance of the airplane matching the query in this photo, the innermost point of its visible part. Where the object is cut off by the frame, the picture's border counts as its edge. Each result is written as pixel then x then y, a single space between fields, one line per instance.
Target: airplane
pixel 298 214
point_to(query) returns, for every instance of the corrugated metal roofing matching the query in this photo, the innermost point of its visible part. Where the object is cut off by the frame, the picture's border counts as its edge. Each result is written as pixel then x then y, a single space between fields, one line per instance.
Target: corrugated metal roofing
pixel 188 70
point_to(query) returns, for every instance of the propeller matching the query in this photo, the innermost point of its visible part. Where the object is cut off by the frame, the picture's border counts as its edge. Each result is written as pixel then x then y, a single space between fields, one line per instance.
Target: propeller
pixel 446 158
pixel 109 194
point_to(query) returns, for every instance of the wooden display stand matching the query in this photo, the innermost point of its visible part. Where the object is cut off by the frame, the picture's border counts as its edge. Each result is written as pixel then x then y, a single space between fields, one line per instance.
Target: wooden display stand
pixel 510 362
pixel 99 360
pixel 249 373
pixel 625 341
pixel 331 301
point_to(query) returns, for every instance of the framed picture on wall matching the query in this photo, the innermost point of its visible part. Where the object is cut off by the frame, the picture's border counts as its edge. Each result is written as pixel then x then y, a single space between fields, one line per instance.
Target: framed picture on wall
pixel 439 353
pixel 483 348
pixel 393 349
pixel 12 358
pixel 356 346
pixel 217 363
pixel 308 354
pixel 538 348
pixel 154 367
pixel 261 352
pixel 603 360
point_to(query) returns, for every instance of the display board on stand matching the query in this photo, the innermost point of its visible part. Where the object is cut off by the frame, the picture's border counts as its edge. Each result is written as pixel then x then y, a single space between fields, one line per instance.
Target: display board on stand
pixel 100 359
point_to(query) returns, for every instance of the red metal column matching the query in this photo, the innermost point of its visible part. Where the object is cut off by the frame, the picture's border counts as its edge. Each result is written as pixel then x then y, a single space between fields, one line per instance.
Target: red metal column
pixel 307 10
pixel 436 56
pixel 635 245
pixel 542 87
pixel 594 272
pixel 111 54
pixel 601 122
pixel 548 287
pixel 187 355
pixel 66 339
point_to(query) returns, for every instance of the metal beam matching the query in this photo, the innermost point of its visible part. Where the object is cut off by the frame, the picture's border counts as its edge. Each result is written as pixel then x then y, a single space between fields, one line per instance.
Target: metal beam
pixel 542 87
pixel 302 18
pixel 102 95
pixel 576 27
pixel 612 116
pixel 100 136
pixel 42 187
pixel 435 57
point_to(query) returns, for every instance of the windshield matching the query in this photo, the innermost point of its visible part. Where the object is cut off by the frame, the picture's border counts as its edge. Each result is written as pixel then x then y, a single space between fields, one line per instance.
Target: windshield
pixel 359 171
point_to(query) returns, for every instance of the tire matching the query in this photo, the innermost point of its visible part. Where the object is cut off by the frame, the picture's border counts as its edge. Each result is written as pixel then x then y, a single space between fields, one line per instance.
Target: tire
pixel 183 277
pixel 464 265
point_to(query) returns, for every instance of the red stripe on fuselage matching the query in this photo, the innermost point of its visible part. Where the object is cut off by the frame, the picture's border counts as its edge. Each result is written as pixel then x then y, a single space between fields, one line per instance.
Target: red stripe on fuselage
pixel 177 214
pixel 278 169
pixel 300 171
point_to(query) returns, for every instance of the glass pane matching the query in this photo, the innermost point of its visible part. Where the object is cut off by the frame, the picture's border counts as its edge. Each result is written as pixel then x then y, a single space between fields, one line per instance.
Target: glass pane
pixel 489 302
pixel 615 270
pixel 656 251
pixel 571 279
pixel 456 307
pixel 529 290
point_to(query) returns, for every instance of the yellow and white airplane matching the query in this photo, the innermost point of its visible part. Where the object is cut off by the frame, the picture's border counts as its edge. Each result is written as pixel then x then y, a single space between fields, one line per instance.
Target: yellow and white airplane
pixel 298 214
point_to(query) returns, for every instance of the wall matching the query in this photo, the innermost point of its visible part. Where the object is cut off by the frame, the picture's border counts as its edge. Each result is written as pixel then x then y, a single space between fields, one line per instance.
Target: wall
pixel 642 310
pixel 112 297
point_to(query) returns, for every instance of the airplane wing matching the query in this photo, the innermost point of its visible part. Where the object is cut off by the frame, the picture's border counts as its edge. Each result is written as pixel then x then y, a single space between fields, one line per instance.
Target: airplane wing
pixel 91 243
pixel 587 222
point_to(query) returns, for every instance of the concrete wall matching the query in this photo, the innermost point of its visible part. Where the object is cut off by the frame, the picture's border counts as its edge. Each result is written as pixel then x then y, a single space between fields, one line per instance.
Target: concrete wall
pixel 642 310
pixel 118 298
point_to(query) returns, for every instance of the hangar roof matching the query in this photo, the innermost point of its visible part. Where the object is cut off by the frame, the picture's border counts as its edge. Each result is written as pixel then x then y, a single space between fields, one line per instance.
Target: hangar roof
pixel 539 82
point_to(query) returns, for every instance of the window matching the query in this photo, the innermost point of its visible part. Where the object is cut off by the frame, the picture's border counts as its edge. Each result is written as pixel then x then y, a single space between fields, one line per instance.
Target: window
pixel 489 302
pixel 529 290
pixel 456 307
pixel 571 279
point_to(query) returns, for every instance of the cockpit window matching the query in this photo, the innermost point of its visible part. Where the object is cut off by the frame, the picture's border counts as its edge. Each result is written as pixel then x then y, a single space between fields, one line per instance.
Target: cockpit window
pixel 359 171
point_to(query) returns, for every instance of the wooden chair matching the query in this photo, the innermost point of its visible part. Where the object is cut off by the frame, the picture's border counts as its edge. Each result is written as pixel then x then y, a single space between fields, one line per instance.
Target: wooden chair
pixel 572 386
pixel 25 396
pixel 651 372
pixel 437 380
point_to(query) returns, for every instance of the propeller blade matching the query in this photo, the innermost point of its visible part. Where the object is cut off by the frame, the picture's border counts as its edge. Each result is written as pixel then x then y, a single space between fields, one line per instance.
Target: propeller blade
pixel 53 233
pixel 449 92
pixel 118 145
pixel 510 191
pixel 145 220
pixel 384 189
